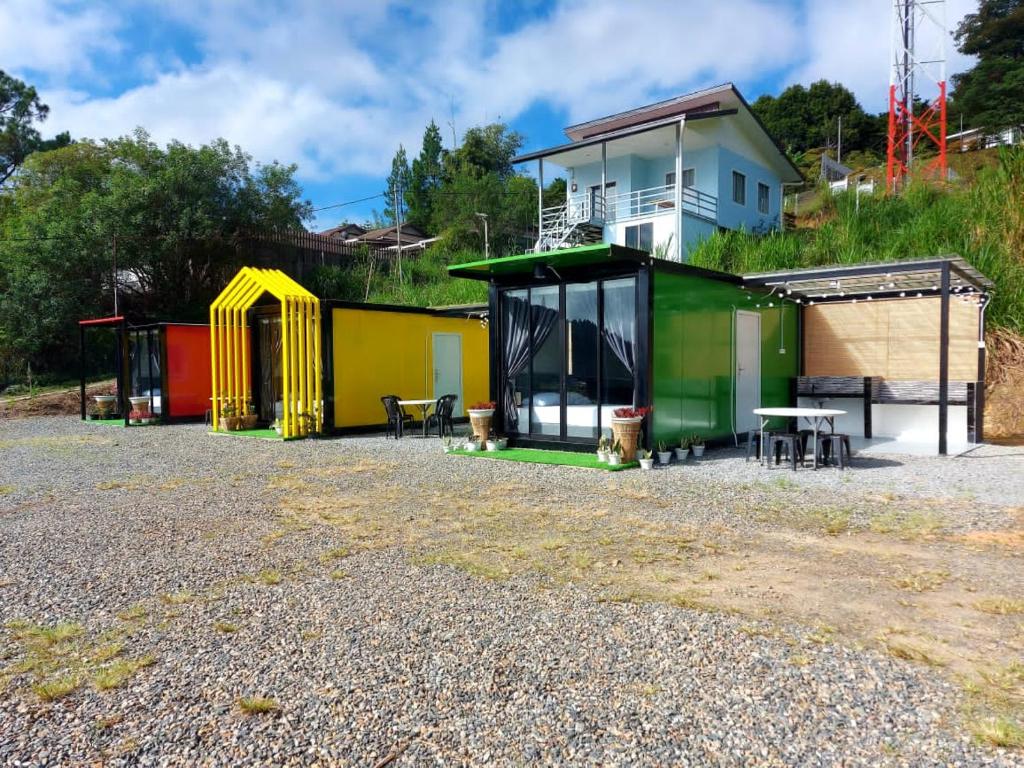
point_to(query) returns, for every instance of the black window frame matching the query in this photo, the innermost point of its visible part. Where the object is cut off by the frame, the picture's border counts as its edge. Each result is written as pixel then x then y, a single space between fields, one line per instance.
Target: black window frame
pixel 741 178
pixel 639 228
pixel 767 198
pixel 641 286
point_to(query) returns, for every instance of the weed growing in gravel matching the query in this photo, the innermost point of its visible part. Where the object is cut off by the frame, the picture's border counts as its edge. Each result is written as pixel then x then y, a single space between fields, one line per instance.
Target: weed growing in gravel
pixel 1000 606
pixel 6 489
pixel 225 627
pixel 51 690
pixel 269 578
pixel 338 574
pixel 257 705
pixel 134 613
pixel 177 598
pixel 908 525
pixel 337 553
pixel 998 732
pixel 116 674
pixel 900 646
pixel 921 581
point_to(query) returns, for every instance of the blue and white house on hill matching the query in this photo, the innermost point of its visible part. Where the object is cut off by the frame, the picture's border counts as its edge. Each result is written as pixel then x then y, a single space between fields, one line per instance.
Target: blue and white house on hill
pixel 665 176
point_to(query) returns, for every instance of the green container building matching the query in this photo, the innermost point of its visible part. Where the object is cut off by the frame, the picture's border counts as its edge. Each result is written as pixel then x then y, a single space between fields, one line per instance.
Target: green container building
pixel 579 332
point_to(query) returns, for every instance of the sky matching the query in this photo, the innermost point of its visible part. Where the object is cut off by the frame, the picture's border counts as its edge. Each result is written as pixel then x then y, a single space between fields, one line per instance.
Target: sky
pixel 334 86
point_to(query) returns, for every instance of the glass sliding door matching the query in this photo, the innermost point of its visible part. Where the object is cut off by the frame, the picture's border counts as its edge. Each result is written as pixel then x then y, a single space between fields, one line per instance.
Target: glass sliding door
pixel 546 364
pixel 618 347
pixel 568 357
pixel 581 337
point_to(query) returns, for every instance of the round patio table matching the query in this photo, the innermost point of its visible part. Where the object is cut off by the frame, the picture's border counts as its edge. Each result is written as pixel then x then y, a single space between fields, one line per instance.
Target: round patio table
pixel 814 416
pixel 424 406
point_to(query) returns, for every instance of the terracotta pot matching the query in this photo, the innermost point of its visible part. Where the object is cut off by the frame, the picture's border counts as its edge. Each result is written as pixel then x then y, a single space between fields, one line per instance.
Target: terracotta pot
pixel 140 404
pixel 627 433
pixel 481 421
pixel 249 421
pixel 230 423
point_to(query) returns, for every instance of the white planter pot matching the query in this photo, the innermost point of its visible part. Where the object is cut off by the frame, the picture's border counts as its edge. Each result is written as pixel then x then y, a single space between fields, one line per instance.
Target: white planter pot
pixel 492 445
pixel 502 443
pixel 447 448
pixel 614 459
pixel 602 456
pixel 106 398
pixel 481 412
pixel 698 451
pixel 471 447
pixel 646 463
pixel 682 453
pixel 629 420
pixel 664 457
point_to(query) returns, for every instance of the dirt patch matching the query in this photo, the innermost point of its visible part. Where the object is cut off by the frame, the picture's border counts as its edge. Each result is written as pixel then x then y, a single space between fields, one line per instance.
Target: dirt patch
pixel 63 403
pixel 1004 385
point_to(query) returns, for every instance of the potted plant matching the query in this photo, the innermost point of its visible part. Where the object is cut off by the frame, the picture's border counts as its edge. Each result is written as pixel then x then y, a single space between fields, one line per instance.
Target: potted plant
pixel 683 450
pixel 278 426
pixel 615 455
pixel 626 429
pixel 472 443
pixel 481 415
pixel 229 417
pixel 602 449
pixel 502 442
pixel 150 418
pixel 134 417
pixel 249 418
pixel 492 442
pixel 697 446
pixel 105 405
pixel 646 460
pixel 446 444
pixel 664 453
pixel 140 404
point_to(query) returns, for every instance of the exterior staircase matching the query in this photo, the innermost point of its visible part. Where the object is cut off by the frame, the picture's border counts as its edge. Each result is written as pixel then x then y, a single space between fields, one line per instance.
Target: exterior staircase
pixel 566 226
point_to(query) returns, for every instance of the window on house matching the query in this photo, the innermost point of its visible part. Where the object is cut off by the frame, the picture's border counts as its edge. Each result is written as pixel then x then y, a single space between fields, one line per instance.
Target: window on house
pixel 763 197
pixel 640 236
pixel 739 188
pixel 670 179
pixel 689 177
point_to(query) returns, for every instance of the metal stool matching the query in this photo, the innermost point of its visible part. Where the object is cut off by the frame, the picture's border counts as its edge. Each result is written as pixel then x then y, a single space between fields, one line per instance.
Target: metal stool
pixel 836 446
pixel 791 442
pixel 754 443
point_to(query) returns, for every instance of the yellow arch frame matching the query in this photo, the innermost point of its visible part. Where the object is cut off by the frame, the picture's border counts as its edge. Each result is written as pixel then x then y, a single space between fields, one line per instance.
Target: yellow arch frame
pixel 300 349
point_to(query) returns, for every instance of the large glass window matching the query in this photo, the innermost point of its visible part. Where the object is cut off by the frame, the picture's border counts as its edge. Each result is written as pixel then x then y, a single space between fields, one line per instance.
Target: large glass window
pixel 567 363
pixel 640 236
pixel 546 397
pixel 581 330
pixel 618 347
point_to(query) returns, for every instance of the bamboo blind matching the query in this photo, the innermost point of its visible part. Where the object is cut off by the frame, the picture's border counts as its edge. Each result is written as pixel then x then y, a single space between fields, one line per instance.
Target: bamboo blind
pixel 897 340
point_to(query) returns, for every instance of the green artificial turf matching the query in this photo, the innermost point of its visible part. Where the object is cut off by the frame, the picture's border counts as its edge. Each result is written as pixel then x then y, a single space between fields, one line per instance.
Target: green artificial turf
pixel 107 422
pixel 264 434
pixel 562 458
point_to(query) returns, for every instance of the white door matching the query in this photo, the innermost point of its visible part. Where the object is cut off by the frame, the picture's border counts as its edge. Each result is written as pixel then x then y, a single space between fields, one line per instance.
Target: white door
pixel 748 369
pixel 447 368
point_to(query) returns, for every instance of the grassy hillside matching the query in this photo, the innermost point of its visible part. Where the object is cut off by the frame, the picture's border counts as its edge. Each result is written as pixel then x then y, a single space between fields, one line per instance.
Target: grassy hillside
pixel 982 221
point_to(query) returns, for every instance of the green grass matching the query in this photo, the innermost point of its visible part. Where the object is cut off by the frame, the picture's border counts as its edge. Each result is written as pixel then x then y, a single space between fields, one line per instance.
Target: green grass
pixel 257 705
pixel 561 458
pixel 982 221
pixel 265 434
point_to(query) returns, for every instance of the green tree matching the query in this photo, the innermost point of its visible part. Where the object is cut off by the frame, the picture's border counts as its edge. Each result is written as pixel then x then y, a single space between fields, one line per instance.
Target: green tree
pixel 172 212
pixel 425 178
pixel 806 118
pixel 991 94
pixel 399 180
pixel 20 108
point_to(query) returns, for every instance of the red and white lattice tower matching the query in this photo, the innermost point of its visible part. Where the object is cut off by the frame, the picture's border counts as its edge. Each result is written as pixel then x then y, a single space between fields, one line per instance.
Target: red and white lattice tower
pixel 917 26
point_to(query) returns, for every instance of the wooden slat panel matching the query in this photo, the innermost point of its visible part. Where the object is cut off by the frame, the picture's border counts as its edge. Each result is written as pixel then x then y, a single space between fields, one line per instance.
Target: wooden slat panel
pixel 896 340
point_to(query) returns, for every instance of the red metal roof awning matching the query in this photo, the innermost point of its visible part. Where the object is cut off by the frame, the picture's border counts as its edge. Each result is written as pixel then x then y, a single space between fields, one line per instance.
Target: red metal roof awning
pixel 103 320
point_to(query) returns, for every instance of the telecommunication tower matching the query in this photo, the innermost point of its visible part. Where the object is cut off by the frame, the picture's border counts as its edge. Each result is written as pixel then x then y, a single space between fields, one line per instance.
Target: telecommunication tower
pixel 918 63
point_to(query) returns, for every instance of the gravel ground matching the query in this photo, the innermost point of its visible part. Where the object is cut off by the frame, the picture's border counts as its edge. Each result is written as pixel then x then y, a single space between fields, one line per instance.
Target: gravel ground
pixel 374 659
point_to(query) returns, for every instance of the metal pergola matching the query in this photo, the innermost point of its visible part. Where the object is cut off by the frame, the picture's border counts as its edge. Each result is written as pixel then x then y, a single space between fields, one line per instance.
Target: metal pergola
pixel 945 277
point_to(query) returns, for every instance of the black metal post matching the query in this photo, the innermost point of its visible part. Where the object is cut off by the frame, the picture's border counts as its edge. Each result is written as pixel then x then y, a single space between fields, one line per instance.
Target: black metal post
pixel 979 392
pixel 867 406
pixel 124 377
pixel 497 366
pixel 165 390
pixel 944 361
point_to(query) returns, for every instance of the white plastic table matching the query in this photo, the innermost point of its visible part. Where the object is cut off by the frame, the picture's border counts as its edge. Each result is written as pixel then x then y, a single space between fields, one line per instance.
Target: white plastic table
pixel 424 406
pixel 814 416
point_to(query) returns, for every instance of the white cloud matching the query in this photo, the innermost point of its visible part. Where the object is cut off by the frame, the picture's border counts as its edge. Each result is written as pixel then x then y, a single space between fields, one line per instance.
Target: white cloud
pixel 335 86
pixel 52 38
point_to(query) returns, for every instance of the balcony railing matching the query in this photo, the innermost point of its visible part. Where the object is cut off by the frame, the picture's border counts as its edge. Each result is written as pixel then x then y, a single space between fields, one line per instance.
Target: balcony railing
pixel 559 223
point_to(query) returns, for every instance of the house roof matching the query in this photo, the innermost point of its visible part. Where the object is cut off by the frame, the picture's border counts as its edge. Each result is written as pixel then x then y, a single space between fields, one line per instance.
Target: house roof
pixel 389 235
pixel 722 101
pixel 579 256
pixel 894 279
pixel 344 231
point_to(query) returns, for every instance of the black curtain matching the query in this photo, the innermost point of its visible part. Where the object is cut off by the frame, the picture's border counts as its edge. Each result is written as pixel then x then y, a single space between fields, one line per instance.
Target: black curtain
pixel 518 347
pixel 270 341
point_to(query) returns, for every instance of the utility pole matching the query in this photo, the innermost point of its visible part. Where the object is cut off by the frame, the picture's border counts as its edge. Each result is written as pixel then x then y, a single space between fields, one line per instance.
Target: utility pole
pixel 398 224
pixel 487 246
pixel 839 141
